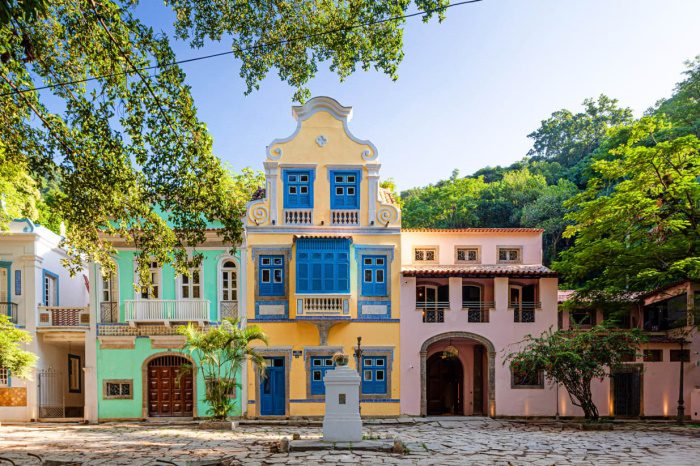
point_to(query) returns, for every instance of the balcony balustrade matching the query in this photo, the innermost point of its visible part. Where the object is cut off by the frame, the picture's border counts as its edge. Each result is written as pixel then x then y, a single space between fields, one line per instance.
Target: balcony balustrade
pixel 64 316
pixel 10 310
pixel 298 216
pixel 433 311
pixel 345 217
pixel 228 309
pixel 166 310
pixel 323 306
pixel 478 311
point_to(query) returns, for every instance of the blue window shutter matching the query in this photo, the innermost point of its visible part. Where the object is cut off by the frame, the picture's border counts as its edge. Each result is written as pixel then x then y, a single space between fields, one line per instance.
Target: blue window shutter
pixel 270 268
pixel 322 265
pixel 374 275
pixel 374 375
pixel 298 188
pixel 345 189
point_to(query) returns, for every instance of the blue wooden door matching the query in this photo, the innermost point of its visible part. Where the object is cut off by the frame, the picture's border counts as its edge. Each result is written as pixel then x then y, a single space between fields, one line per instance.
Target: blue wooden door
pixel 272 388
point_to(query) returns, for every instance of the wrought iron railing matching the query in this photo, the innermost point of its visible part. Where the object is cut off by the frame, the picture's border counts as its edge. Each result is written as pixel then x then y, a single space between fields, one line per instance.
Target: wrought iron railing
pixel 164 310
pixel 477 311
pixel 433 311
pixel 109 312
pixel 525 305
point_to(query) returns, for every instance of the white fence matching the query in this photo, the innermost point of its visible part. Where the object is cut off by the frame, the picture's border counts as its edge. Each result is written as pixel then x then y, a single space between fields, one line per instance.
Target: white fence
pixel 160 310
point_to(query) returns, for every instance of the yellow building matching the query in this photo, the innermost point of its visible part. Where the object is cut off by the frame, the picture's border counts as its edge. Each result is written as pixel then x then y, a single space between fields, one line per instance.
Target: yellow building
pixel 323 267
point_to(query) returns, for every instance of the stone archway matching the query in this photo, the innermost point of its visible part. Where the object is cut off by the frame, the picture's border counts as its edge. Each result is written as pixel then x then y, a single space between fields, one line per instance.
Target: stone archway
pixel 491 357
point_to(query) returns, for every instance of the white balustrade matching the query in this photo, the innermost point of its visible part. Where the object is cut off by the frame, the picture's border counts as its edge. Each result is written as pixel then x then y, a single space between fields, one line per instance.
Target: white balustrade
pixel 166 310
pixel 298 216
pixel 345 217
pixel 323 305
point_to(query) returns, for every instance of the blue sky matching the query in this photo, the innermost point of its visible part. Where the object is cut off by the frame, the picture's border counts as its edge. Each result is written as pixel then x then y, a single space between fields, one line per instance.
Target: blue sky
pixel 469 89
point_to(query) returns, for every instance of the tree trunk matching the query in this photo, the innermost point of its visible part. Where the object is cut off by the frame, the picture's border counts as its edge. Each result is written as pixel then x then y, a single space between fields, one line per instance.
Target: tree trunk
pixel 581 396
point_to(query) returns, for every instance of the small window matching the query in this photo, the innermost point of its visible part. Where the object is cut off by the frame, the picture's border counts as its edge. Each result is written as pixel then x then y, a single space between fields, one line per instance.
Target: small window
pixel 368 276
pixel 278 275
pixel 292 190
pixel 292 178
pixel 379 375
pixel 677 354
pixel 317 376
pixel 266 276
pixel 118 390
pixel 368 261
pixel 271 275
pixel 374 379
pixel 379 274
pixel 351 191
pixel 4 377
pixel 653 355
pixel 524 379
pixel 338 179
pixel 339 191
pixel 425 255
pixel 320 365
pixel 351 179
pixel 379 261
pixel 265 261
pixel 509 255
pixel 467 255
pixel 303 189
pixel 304 178
pixel 368 376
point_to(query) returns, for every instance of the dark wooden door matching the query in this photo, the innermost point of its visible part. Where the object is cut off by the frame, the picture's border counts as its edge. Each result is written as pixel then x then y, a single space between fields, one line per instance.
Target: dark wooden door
pixel 626 393
pixel 170 393
pixel 444 386
pixel 478 389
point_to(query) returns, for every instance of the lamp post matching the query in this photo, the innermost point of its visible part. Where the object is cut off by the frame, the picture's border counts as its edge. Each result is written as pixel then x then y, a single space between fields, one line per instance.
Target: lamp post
pixel 681 401
pixel 358 358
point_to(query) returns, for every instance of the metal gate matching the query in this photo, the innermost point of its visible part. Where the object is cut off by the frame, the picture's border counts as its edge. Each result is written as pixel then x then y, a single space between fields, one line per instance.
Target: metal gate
pixel 52 399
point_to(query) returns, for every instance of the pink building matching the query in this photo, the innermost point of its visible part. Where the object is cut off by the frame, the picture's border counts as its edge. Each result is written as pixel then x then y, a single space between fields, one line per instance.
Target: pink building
pixel 469 297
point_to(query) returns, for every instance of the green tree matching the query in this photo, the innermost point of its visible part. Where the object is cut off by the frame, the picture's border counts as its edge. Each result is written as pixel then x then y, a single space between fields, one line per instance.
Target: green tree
pixel 501 202
pixel 18 361
pixel 568 138
pixel 683 108
pixel 575 358
pixel 126 143
pixel 19 194
pixel 221 352
pixel 637 224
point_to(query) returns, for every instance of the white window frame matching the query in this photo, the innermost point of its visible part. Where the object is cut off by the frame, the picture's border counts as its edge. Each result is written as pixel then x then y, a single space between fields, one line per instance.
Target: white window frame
pixel 155 271
pixel 435 249
pixel 113 287
pixel 50 290
pixel 222 269
pixel 191 285
pixel 4 377
pixel 519 260
pixel 475 261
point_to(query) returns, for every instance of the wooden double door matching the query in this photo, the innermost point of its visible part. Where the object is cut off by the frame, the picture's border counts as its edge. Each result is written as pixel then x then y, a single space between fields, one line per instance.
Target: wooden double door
pixel 170 389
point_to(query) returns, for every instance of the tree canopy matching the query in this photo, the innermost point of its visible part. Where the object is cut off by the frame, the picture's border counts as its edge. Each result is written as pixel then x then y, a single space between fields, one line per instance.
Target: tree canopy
pixel 114 125
pixel 12 357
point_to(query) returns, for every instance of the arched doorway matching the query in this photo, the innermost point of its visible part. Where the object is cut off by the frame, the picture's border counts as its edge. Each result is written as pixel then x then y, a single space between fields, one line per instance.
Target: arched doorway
pixel 476 358
pixel 170 389
pixel 444 385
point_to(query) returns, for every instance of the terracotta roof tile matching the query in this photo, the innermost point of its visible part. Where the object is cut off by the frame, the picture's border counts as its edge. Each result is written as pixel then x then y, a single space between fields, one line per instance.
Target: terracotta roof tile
pixel 471 270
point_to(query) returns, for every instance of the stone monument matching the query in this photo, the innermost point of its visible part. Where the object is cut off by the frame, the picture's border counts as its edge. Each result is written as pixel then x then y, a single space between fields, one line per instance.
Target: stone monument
pixel 342 422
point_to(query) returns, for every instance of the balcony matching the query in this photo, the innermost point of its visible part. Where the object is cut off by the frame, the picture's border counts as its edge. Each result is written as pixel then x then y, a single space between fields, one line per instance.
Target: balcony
pixel 433 311
pixel 345 217
pixel 10 310
pixel 478 311
pixel 323 306
pixel 524 312
pixel 64 316
pixel 298 216
pixel 228 309
pixel 166 310
pixel 109 312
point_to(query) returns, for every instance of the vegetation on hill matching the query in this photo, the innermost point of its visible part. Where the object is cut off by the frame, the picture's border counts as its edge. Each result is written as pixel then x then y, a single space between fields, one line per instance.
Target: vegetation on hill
pixel 618 198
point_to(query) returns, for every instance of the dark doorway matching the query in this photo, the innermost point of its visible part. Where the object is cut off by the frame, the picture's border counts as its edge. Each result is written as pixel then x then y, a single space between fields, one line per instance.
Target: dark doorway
pixel 627 393
pixel 478 389
pixel 272 388
pixel 170 391
pixel 445 380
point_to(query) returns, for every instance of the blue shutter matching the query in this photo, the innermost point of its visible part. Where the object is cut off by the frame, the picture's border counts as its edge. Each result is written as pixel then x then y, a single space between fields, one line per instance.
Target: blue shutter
pixel 374 375
pixel 317 372
pixel 345 189
pixel 323 265
pixel 298 188
pixel 374 275
pixel 271 275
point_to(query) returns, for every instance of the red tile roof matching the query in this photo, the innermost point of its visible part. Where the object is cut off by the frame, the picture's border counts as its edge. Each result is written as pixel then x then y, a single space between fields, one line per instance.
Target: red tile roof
pixel 472 230
pixel 478 270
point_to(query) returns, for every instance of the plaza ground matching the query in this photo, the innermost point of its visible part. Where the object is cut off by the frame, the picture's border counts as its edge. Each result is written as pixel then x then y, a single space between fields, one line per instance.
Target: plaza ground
pixel 430 441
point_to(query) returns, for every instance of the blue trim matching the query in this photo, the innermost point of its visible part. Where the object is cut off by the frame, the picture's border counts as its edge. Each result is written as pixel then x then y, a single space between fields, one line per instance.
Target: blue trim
pixel 362 316
pixel 45 273
pixel 275 271
pixel 323 265
pixel 298 200
pixel 18 283
pixel 340 319
pixel 272 317
pixel 344 318
pixel 30 225
pixel 345 200
pixel 373 275
pixel 374 386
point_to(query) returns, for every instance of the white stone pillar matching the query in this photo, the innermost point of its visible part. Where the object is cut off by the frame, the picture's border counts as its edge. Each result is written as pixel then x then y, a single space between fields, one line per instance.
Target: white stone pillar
pixel 91 396
pixel 342 422
pixel 373 191
pixel 271 172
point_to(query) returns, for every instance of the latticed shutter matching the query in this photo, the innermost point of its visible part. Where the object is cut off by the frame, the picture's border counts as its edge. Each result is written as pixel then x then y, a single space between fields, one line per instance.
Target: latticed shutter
pixel 323 265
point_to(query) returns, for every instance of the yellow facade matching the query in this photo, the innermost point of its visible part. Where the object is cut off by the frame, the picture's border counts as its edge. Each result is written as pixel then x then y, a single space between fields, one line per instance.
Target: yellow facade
pixel 303 326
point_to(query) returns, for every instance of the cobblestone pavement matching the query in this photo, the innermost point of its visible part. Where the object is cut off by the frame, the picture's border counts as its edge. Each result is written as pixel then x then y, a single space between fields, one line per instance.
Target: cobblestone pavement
pixel 443 441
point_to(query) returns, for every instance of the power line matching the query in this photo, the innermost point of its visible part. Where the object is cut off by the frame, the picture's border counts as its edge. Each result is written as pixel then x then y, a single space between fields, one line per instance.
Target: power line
pixel 246 49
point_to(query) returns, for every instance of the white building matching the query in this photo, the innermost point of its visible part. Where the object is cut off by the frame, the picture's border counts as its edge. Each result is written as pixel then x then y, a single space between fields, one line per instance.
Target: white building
pixel 40 296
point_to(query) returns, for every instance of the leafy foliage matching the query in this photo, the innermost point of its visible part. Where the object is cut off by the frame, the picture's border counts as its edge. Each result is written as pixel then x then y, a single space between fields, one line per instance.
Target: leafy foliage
pixel 574 358
pixel 221 353
pixel 12 356
pixel 127 150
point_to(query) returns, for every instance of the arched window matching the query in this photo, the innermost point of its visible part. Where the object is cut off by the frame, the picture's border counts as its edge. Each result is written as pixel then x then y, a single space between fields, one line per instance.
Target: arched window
pixel 228 279
pixel 109 297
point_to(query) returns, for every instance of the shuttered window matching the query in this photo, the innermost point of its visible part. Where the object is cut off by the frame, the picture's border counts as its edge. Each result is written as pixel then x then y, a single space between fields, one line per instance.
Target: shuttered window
pixel 323 265
pixel 374 275
pixel 345 189
pixel 298 189
pixel 271 275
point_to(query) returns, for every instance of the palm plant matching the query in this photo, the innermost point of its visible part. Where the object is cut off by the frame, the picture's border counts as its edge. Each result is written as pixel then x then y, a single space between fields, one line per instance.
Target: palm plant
pixel 221 353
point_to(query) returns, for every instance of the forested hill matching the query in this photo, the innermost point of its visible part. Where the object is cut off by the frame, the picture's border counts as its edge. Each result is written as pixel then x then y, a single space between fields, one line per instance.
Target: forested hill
pixel 581 157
